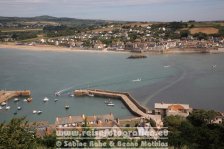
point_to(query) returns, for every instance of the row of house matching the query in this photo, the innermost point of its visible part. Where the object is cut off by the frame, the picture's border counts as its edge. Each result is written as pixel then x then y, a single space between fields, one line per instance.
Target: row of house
pixel 132 39
pixel 103 123
pixel 136 45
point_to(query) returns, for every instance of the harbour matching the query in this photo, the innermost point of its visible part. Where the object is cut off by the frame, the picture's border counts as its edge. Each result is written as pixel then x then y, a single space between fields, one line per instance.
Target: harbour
pixel 126 98
pixel 189 79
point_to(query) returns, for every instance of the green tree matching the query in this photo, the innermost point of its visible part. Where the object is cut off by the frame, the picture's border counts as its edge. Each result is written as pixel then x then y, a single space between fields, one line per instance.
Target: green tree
pixel 184 33
pixel 48 141
pixel 16 135
pixel 173 121
pixel 201 36
pixel 201 117
pixel 221 31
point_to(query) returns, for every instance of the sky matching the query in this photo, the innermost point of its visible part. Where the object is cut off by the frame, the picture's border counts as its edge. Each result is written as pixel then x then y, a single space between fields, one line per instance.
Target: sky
pixel 126 10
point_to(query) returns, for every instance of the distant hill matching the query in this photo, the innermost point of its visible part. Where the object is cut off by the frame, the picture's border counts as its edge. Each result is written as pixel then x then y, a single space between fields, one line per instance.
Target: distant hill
pixel 45 18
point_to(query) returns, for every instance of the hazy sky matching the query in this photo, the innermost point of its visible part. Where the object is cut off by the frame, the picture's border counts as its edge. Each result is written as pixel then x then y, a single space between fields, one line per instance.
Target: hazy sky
pixel 139 10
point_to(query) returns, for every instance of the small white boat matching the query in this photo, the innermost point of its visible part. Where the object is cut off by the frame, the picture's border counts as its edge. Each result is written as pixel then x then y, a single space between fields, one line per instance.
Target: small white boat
pixel 110 104
pixel 55 100
pixel 7 107
pixel 166 66
pixel 25 100
pixel 71 95
pixel 137 80
pixel 57 94
pixel 45 99
pixel 0 107
pixel 39 112
pixel 19 108
pixel 34 111
pixel 91 95
pixel 67 107
pixel 3 103
pixel 16 99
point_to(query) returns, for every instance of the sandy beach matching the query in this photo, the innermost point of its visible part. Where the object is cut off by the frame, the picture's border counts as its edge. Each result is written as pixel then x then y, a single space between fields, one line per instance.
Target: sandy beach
pixel 51 48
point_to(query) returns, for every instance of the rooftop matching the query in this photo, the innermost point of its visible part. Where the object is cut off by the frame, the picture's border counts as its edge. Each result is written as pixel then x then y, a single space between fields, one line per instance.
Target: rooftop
pixel 171 106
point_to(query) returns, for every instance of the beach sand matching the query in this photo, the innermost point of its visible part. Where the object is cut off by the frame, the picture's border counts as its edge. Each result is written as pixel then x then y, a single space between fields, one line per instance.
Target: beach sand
pixel 51 48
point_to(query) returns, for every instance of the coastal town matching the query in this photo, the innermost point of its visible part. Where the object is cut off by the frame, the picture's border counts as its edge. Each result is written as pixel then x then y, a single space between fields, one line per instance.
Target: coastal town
pixel 136 39
pixel 155 37
pixel 174 124
pixel 103 74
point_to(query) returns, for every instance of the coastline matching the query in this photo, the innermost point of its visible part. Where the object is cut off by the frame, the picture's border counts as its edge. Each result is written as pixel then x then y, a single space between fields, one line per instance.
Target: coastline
pixel 52 48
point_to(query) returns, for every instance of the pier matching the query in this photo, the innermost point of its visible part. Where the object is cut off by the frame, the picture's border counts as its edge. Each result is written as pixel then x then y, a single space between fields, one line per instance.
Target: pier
pixel 126 98
pixel 7 95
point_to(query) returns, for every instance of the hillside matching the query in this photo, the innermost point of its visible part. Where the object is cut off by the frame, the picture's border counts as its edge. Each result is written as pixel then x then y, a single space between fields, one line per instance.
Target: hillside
pixel 48 20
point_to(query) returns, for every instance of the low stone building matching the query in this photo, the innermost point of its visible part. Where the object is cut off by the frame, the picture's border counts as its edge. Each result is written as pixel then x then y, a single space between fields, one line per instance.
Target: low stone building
pixel 166 109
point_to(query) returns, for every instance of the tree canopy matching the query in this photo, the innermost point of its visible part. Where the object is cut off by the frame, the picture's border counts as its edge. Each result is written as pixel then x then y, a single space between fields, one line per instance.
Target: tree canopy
pixel 196 131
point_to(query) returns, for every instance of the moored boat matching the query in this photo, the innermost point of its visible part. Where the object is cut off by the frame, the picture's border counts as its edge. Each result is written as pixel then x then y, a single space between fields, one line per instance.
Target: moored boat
pixel 3 103
pixel 45 99
pixel 71 95
pixel 91 95
pixel 57 94
pixel 110 104
pixel 67 107
pixel 7 107
pixel 16 99
pixel 39 112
